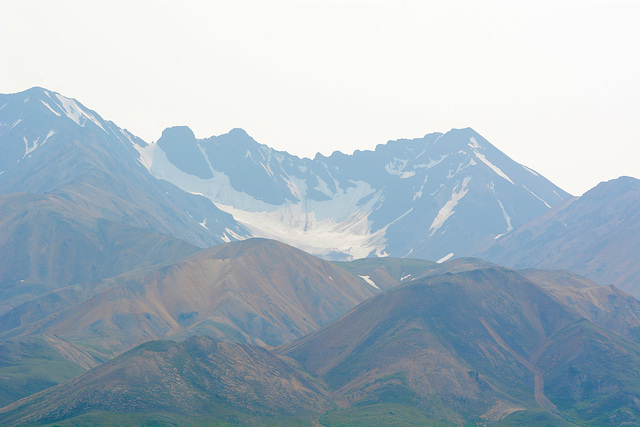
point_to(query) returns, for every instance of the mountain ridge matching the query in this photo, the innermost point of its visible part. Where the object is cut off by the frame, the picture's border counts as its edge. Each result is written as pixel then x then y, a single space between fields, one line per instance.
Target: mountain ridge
pixel 54 144
pixel 298 200
pixel 256 291
pixel 596 235
pixel 457 189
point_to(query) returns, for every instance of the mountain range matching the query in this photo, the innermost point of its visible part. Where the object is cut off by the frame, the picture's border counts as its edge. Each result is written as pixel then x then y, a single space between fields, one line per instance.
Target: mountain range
pixel 56 146
pixel 456 187
pixel 255 291
pixel 364 204
pixel 484 345
pixel 431 281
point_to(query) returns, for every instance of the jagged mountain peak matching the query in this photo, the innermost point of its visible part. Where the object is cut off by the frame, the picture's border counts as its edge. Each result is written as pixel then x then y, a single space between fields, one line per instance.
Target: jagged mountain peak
pixel 36 122
pixel 239 132
pixel 352 205
pixel 440 196
pixel 183 133
pixel 240 141
pixel 52 104
pixel 54 144
pixel 39 105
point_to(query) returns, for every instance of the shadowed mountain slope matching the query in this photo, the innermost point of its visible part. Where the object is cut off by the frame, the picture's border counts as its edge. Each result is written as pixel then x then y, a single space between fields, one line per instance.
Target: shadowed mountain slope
pixel 596 235
pixel 47 243
pixel 257 291
pixel 51 144
pixel 427 197
pixel 606 306
pixel 199 376
pixel 433 197
pixel 31 364
pixel 482 346
pixel 459 346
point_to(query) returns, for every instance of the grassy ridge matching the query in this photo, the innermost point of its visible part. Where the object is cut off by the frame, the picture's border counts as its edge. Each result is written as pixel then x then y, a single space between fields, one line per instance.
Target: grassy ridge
pixel 220 418
pixel 30 365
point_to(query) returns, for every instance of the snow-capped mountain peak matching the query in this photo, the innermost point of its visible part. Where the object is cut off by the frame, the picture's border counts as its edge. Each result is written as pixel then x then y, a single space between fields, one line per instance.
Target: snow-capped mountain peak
pixel 443 193
pixel 35 118
pixel 357 205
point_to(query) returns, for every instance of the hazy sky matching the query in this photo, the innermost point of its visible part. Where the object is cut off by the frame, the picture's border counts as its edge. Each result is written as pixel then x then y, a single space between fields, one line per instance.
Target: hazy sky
pixel 553 84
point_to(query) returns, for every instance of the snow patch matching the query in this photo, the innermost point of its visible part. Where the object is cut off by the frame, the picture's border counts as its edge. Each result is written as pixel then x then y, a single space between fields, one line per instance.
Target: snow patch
pixel 445 258
pixel 297 186
pixel 369 281
pixel 431 163
pixel 463 166
pixel 7 126
pixel 49 135
pixel 204 224
pixel 145 155
pixel 396 166
pixel 217 189
pixel 530 170
pixel 340 224
pixel 232 234
pixel 473 143
pixel 404 277
pixel 52 110
pixel 418 193
pixel 507 218
pixel 447 210
pixel 323 187
pixel 496 169
pixel 76 113
pixel 29 148
pixel 267 169
pixel 401 216
pixel 537 197
pixel 292 225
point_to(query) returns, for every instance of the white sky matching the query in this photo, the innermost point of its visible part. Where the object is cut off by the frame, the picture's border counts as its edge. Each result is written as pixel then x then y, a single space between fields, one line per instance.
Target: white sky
pixel 553 84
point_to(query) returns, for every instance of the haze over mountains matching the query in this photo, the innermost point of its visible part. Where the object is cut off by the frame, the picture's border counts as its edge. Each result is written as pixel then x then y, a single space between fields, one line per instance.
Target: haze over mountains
pixel 481 345
pixel 465 346
pixel 597 235
pixel 255 291
pixel 342 206
pixel 109 244
pixel 57 146
pixel 368 203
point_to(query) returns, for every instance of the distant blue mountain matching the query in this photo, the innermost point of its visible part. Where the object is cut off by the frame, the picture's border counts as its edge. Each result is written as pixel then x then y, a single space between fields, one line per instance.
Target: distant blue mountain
pixel 596 235
pixel 429 197
pixel 435 197
pixel 54 145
